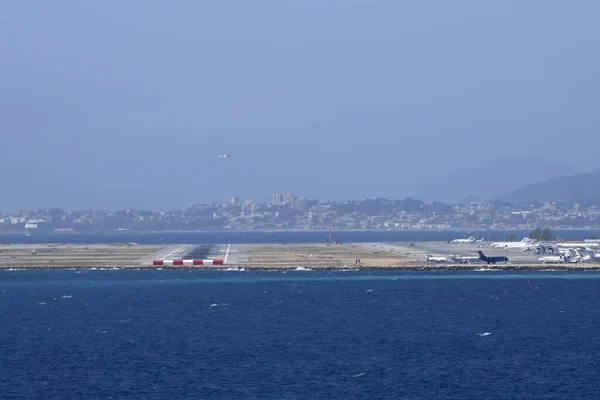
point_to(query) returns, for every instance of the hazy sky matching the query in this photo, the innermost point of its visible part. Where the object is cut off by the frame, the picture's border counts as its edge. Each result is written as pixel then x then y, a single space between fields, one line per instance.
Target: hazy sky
pixel 115 104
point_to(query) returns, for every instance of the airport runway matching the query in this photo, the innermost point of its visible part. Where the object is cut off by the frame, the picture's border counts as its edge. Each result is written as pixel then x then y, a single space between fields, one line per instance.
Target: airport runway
pixel 199 252
pixel 269 256
pixel 237 254
pixel 230 254
pixel 226 252
pixel 234 254
pixel 168 253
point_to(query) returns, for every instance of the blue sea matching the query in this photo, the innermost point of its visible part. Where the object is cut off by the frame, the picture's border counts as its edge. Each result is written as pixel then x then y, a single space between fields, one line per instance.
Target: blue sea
pixel 298 335
pixel 311 236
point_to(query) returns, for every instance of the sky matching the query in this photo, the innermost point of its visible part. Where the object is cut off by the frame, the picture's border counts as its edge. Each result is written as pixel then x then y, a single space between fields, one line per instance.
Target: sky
pixel 127 104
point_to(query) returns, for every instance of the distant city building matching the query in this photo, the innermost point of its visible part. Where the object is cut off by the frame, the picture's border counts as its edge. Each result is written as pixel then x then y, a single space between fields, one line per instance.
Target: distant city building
pixel 289 199
pixel 16 220
pixel 281 199
pixel 276 199
pixel 301 204
pixel 295 212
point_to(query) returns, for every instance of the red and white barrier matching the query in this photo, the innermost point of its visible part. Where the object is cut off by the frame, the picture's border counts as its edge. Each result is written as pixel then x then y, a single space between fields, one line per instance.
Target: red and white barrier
pixel 187 262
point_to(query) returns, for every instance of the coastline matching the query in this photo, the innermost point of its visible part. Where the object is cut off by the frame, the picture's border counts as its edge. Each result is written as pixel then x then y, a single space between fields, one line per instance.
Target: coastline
pixel 274 268
pixel 363 256
pixel 323 230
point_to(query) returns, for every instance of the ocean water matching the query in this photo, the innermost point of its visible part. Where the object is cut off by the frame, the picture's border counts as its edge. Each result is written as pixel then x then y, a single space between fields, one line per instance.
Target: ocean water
pixel 242 237
pixel 298 335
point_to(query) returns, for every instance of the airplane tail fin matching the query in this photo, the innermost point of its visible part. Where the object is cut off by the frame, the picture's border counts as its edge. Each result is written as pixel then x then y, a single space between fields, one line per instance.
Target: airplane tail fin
pixel 481 255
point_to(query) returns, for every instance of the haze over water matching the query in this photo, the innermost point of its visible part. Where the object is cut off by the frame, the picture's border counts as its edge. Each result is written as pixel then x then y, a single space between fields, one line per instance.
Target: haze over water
pixel 118 104
pixel 276 236
pixel 177 334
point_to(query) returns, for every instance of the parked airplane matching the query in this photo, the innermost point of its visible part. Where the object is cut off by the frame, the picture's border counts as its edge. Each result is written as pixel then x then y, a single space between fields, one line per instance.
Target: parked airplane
pixel 552 259
pixel 429 257
pixel 580 246
pixel 526 243
pixel 590 257
pixel 492 259
pixel 585 245
pixel 464 259
pixel 225 156
pixel 470 239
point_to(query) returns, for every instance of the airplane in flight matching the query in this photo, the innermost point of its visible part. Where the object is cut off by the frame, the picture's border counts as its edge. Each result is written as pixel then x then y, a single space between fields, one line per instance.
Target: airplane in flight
pixel 225 156
pixel 492 259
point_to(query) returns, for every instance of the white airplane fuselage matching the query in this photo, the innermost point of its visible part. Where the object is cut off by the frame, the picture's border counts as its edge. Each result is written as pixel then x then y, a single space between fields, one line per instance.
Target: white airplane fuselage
pixel 551 259
pixel 579 245
pixel 465 259
pixel 437 259
pixel 468 240
pixel 526 243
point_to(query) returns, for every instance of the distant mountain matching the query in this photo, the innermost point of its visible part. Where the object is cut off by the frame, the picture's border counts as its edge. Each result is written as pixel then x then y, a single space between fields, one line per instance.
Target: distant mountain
pixel 588 164
pixel 493 179
pixel 566 188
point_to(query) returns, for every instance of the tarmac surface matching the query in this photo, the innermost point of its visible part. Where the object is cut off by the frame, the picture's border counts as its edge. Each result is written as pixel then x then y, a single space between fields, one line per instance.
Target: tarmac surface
pixel 444 249
pixel 271 256
pixel 75 255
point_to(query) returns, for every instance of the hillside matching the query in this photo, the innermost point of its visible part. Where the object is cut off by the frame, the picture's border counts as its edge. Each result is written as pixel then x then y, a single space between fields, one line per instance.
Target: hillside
pixel 566 188
pixel 493 179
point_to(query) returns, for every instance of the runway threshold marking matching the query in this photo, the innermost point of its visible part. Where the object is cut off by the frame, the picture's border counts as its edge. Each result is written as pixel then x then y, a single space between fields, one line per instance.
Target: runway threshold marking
pixel 174 251
pixel 227 254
